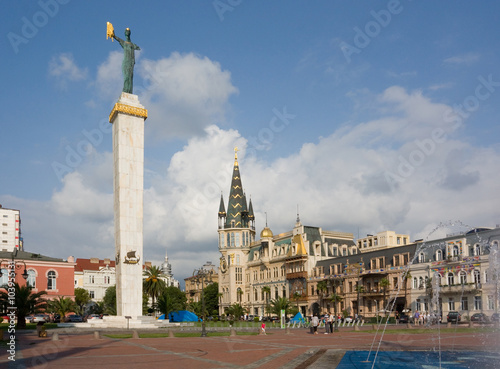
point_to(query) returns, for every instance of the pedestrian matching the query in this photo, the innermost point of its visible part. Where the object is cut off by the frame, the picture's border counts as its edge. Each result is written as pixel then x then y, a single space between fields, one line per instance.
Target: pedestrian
pixel 263 328
pixel 396 317
pixel 416 317
pixel 330 322
pixel 315 323
pixel 327 325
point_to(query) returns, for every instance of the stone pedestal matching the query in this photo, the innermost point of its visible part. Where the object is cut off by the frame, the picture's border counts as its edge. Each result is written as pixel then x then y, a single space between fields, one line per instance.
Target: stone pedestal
pixel 127 117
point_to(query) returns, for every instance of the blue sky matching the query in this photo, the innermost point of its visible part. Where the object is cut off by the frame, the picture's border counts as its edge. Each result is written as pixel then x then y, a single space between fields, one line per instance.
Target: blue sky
pixel 369 115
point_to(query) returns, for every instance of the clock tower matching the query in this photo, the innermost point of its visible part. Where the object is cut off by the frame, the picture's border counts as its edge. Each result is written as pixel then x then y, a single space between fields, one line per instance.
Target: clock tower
pixel 236 233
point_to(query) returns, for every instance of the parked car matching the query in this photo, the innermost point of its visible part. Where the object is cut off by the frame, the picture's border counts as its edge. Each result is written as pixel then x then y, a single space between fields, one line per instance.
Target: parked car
pixel 40 318
pixel 495 317
pixel 453 316
pixel 479 317
pixel 29 319
pixel 57 318
pixel 75 318
pixel 403 318
pixel 93 317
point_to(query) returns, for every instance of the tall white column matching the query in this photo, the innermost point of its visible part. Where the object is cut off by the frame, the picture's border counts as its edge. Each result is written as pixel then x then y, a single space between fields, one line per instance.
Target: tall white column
pixel 127 117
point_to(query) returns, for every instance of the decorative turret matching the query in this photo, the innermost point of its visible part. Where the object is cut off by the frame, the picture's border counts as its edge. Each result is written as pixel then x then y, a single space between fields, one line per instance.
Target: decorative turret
pixel 222 212
pixel 237 214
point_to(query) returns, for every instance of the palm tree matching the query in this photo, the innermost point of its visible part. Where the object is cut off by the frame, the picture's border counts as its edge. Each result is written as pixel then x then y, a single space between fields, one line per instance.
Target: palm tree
pixel 236 311
pixel 334 298
pixel 296 296
pixel 153 284
pixel 384 283
pixel 359 289
pixel 26 302
pixel 62 305
pixel 267 291
pixel 281 303
pixel 322 287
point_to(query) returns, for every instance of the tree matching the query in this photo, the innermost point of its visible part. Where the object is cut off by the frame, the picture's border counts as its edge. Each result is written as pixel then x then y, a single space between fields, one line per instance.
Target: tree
pixel 281 303
pixel 196 307
pixel 267 292
pixel 26 302
pixel 153 284
pixel 171 299
pixel 62 306
pixel 236 311
pixel 296 296
pixel 212 298
pixel 384 283
pixel 109 301
pixel 82 298
pixel 322 288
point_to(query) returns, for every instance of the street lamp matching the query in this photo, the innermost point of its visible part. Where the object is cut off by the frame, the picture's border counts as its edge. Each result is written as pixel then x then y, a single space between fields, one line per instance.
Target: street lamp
pixel 14 264
pixel 204 276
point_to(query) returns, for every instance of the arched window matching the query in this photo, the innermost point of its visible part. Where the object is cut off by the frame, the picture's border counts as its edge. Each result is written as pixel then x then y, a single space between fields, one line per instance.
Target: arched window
pixel 451 279
pixel 31 281
pixel 51 280
pixel 238 244
pixel 284 291
pixel 5 277
pixel 477 276
pixel 420 282
pixel 477 250
pixel 232 238
pixel 237 259
pixel 421 257
pixel 415 282
pixel 463 277
pixel 439 255
pixel 276 293
pixel 455 250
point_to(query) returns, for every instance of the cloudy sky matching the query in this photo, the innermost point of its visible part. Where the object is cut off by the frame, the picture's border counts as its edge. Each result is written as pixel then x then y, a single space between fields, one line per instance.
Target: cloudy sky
pixel 368 116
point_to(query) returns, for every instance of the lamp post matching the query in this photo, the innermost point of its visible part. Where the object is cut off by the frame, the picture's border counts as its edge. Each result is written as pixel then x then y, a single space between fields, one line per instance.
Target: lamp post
pixel 204 276
pixel 14 264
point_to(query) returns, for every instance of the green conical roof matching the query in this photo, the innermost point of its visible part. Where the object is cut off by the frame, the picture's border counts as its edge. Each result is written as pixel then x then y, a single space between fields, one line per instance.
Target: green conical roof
pixel 222 210
pixel 236 207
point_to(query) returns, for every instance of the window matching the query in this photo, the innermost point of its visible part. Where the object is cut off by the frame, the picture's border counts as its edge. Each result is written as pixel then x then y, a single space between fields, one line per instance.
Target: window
pixel 92 294
pixel 451 279
pixel 455 250
pixel 491 302
pixel 51 280
pixel 5 277
pixel 232 238
pixel 398 240
pixel 477 276
pixel 91 279
pixel 464 304
pixel 237 237
pixel 477 250
pixel 31 281
pixel 463 277
pixel 415 282
pixel 439 255
pixel 418 306
pixel 451 304
pixel 478 304
pixel 421 258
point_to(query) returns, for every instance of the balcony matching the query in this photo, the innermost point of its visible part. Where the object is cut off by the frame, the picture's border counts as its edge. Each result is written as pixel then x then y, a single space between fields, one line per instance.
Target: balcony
pixel 459 288
pixel 296 275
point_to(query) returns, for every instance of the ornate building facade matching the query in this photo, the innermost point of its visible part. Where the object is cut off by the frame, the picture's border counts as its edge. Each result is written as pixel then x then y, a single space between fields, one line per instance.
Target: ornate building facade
pixel 253 272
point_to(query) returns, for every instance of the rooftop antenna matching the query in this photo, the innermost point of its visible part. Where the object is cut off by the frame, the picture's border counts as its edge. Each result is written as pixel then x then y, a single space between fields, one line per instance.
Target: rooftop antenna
pixel 266 217
pixel 298 218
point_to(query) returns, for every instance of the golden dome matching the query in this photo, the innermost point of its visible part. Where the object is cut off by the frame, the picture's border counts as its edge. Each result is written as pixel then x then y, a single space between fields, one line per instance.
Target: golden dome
pixel 266 232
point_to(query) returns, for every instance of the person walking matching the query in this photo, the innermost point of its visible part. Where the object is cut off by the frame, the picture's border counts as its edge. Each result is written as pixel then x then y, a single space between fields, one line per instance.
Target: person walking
pixel 327 325
pixel 315 323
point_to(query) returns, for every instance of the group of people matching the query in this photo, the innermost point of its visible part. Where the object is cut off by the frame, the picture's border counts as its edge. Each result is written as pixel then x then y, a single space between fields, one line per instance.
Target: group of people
pixel 328 319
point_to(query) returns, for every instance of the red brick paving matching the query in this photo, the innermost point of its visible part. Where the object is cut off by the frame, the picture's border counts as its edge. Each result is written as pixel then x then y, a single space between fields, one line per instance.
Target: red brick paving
pixel 275 350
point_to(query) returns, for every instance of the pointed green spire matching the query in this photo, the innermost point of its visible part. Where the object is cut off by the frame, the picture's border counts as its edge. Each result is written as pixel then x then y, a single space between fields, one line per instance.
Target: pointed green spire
pixel 222 209
pixel 236 207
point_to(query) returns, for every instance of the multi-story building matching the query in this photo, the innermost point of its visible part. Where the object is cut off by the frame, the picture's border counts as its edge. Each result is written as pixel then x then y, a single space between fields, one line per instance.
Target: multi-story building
pixel 253 272
pixel 95 276
pixel 44 273
pixel 457 273
pixel 368 283
pixel 194 285
pixel 10 230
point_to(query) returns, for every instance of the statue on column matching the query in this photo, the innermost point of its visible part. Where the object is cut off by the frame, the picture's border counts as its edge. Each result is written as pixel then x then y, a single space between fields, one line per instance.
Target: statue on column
pixel 128 57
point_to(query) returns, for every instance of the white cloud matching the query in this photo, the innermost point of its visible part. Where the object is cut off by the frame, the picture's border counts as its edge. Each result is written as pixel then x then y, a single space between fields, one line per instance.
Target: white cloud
pixel 64 69
pixel 340 183
pixel 184 93
pixel 109 81
pixel 465 59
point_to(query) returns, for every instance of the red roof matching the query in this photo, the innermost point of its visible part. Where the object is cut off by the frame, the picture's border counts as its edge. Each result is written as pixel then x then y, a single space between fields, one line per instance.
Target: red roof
pixel 85 264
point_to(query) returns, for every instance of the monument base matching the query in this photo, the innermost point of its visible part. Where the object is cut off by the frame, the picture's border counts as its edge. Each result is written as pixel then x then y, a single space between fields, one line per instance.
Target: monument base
pixel 139 322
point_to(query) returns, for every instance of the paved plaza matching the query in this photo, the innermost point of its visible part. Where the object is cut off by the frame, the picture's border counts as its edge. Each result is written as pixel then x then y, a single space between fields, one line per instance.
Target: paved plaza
pixel 278 349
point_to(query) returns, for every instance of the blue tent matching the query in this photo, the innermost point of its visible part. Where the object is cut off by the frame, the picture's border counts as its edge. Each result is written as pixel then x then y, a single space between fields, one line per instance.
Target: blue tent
pixel 297 318
pixel 182 316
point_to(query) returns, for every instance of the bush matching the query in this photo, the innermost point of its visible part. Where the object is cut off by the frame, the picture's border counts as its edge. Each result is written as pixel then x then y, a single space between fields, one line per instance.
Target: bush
pixel 256 319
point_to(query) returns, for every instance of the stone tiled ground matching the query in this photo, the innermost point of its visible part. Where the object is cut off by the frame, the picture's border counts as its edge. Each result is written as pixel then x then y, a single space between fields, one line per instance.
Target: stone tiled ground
pixel 298 349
